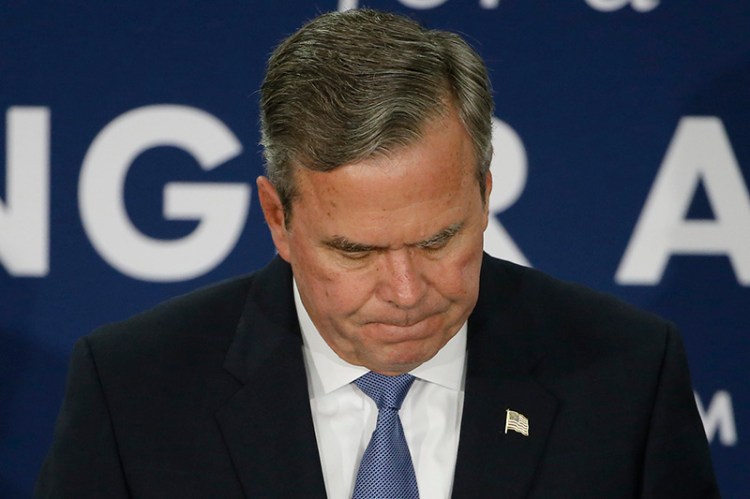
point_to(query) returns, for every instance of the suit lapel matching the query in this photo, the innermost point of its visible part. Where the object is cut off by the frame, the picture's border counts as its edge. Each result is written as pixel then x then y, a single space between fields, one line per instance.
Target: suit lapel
pixel 490 462
pixel 267 424
pixel 268 427
pixel 504 348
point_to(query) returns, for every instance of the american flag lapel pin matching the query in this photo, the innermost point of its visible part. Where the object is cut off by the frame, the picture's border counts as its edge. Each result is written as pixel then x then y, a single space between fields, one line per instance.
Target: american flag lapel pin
pixel 517 422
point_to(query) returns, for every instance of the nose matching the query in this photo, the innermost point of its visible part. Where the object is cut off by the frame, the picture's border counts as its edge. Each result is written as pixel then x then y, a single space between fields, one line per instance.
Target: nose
pixel 402 282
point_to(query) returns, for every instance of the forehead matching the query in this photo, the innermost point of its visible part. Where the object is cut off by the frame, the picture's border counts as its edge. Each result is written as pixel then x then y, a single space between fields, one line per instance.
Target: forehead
pixel 405 195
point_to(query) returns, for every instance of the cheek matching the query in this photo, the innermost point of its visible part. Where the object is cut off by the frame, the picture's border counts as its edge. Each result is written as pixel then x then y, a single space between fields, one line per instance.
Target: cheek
pixel 336 294
pixel 458 276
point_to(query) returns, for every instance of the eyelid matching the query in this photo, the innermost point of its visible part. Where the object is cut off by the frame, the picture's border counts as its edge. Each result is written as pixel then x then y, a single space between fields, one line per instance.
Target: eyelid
pixel 353 256
pixel 355 253
pixel 353 249
pixel 348 248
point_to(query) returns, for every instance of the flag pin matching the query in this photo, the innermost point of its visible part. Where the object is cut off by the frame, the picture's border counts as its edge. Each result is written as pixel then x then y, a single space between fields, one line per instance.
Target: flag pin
pixel 517 422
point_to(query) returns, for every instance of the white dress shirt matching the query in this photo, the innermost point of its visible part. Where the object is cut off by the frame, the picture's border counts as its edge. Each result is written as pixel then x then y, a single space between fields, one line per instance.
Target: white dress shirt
pixel 344 417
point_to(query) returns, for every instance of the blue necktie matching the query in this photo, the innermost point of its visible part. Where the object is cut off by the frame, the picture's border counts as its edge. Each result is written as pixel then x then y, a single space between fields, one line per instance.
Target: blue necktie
pixel 386 470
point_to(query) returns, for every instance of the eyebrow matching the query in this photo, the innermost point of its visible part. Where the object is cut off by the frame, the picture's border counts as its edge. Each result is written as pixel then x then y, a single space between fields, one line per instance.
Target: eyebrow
pixel 441 236
pixel 343 244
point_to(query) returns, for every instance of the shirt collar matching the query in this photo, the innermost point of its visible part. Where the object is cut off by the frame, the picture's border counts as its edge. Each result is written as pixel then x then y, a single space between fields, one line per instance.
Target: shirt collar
pixel 329 372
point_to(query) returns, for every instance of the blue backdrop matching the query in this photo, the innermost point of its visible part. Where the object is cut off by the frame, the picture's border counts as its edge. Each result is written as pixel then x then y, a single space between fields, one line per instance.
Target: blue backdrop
pixel 130 139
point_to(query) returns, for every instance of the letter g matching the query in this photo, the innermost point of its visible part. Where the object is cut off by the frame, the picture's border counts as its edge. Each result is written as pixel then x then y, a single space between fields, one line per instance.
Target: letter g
pixel 220 208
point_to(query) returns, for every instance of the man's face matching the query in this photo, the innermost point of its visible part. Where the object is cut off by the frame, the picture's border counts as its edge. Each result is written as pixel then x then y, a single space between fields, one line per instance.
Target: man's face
pixel 386 252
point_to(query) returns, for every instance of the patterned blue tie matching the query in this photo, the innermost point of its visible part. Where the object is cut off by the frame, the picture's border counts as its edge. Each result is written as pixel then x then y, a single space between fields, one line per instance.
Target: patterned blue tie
pixel 386 471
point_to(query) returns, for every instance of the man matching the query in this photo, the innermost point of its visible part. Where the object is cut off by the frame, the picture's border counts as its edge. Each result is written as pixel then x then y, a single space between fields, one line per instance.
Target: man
pixel 376 135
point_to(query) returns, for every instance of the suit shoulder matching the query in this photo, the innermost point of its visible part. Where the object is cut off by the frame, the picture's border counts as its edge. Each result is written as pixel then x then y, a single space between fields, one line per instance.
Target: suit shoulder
pixel 546 301
pixel 208 315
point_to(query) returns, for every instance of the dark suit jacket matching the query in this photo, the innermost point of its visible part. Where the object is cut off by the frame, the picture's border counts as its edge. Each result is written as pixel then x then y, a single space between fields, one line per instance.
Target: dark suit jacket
pixel 206 396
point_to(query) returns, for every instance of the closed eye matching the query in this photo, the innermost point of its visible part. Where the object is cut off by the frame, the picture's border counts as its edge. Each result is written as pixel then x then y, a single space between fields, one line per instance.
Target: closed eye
pixel 355 255
pixel 349 249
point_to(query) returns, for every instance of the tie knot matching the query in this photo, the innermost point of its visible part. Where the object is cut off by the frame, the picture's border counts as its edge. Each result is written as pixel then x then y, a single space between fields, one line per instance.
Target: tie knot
pixel 386 391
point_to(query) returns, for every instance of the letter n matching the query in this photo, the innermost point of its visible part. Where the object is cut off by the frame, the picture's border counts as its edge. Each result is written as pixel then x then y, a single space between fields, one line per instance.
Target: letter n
pixel 24 216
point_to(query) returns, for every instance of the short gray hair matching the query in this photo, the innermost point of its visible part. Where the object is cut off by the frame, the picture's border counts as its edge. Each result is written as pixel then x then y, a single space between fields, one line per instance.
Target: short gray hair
pixel 351 85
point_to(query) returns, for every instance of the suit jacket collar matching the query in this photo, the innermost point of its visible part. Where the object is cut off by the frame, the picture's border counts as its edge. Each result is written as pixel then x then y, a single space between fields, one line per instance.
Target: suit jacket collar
pixel 267 424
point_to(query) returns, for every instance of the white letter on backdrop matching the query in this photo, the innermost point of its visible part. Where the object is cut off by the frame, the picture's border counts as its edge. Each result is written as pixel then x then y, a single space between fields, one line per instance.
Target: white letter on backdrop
pixel 24 217
pixel 347 5
pixel 423 4
pixel 221 208
pixel 700 151
pixel 718 418
pixel 612 5
pixel 509 174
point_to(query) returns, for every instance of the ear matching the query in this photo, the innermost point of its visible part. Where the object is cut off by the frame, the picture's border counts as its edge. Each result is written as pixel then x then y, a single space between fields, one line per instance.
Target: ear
pixel 487 192
pixel 273 211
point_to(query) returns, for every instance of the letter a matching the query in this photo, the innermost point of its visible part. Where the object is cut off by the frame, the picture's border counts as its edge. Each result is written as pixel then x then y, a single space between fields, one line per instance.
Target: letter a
pixel 700 151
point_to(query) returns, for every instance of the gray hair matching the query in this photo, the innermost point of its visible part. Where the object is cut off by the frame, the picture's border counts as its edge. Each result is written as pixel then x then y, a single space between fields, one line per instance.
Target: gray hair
pixel 351 85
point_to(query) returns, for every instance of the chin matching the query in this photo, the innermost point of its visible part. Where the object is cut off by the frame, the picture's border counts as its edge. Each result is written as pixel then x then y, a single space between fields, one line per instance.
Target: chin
pixel 403 360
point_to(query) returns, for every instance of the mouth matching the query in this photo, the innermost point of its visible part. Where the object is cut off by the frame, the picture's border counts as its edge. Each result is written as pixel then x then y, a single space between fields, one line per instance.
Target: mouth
pixel 402 330
pixel 399 324
pixel 406 321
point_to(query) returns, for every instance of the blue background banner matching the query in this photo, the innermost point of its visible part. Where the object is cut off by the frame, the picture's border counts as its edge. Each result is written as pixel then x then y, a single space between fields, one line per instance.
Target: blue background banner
pixel 130 139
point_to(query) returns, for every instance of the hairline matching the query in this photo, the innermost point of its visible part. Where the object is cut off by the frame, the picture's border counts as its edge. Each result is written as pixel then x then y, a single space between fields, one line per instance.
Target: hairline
pixel 481 165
